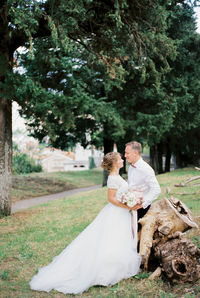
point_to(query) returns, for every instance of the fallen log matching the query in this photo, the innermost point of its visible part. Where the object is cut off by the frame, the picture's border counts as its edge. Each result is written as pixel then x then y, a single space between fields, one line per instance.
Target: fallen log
pixel 181 184
pixel 168 191
pixel 161 239
pixel 179 259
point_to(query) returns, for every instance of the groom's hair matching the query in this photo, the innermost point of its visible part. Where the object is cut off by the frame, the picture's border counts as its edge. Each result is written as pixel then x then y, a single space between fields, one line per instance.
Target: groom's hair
pixel 135 146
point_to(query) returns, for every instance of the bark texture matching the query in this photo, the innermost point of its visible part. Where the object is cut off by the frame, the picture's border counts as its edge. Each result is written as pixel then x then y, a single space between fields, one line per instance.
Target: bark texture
pixel 108 147
pixel 6 62
pixel 5 156
pixel 161 240
pixel 179 258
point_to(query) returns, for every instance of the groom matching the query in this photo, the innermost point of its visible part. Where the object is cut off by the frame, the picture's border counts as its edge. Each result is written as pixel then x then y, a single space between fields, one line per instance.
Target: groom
pixel 141 176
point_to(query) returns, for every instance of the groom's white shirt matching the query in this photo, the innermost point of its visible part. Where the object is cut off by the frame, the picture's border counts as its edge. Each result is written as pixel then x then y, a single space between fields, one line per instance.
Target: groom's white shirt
pixel 142 176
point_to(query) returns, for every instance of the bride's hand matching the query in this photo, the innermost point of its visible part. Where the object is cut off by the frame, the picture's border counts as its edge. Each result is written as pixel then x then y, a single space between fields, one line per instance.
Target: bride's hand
pixel 136 207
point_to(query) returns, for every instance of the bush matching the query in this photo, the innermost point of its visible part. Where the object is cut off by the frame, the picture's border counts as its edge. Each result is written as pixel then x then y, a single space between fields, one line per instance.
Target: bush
pixel 23 164
pixel 92 164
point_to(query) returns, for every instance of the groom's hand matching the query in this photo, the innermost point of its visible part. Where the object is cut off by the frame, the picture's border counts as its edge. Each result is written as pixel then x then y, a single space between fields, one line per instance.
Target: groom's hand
pixel 137 206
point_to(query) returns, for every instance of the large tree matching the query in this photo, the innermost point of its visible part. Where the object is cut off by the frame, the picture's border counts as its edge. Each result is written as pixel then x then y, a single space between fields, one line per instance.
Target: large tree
pixel 16 26
pixel 81 98
pixel 163 108
pixel 88 91
pixel 181 88
pixel 113 30
pixel 182 85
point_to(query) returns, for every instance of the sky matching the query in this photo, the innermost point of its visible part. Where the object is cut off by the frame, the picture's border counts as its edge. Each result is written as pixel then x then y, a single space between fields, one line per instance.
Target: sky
pixel 197 10
pixel 17 121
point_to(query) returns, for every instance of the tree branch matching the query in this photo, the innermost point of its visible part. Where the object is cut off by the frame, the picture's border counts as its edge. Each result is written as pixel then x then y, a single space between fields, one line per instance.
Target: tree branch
pixel 187 181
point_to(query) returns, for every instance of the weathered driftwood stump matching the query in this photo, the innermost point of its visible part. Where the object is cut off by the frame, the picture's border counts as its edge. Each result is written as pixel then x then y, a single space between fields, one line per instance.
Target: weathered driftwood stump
pixel 161 237
pixel 179 259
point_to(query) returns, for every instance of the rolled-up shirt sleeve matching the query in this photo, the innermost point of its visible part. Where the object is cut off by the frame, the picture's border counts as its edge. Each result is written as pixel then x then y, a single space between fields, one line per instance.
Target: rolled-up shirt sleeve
pixel 153 189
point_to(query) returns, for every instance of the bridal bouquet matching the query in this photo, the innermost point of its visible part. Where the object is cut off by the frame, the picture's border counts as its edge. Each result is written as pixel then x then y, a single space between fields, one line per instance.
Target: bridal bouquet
pixel 128 196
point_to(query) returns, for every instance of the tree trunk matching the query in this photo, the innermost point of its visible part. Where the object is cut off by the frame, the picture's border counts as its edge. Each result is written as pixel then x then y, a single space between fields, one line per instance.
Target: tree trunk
pixel 6 62
pixel 5 156
pixel 160 158
pixel 121 149
pixel 105 177
pixel 179 259
pixel 168 156
pixel 154 158
pixel 178 159
pixel 108 147
pixel 165 220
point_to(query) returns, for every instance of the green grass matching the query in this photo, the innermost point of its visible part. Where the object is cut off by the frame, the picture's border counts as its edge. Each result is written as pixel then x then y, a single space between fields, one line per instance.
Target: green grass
pixel 39 184
pixel 31 238
pixel 181 175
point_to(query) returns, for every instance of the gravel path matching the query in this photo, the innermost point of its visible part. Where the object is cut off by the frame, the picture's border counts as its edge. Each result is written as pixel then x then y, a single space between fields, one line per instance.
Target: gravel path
pixel 44 199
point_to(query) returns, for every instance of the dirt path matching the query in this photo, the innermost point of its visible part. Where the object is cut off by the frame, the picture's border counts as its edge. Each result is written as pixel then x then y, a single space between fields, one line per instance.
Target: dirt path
pixel 44 199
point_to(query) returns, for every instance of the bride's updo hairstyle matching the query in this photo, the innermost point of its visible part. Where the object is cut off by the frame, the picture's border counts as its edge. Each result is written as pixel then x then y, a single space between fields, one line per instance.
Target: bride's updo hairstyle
pixel 109 159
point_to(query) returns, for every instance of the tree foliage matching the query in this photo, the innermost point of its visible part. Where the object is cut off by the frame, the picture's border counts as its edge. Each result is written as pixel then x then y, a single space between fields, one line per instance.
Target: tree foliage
pixel 133 93
pixel 67 90
pixel 182 86
pixel 105 68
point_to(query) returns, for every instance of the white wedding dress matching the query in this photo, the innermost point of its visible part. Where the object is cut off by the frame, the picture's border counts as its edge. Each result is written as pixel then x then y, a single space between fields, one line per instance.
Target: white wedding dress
pixel 102 254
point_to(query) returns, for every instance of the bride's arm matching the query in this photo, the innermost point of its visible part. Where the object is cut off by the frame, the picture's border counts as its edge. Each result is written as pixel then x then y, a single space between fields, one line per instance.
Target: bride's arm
pixel 112 199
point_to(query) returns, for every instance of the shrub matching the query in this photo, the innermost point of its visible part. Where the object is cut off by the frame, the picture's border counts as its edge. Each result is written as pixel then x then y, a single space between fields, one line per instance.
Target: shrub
pixel 23 164
pixel 92 164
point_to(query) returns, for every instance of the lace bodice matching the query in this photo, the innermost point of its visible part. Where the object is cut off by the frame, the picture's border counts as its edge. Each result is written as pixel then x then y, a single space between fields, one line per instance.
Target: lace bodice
pixel 115 181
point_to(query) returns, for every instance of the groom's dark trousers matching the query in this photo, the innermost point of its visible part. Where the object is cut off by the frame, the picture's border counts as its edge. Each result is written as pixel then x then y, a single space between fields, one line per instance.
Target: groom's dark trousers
pixel 141 212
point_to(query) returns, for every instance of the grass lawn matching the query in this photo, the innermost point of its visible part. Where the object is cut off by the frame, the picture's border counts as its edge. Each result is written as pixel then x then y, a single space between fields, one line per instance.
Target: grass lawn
pixel 40 184
pixel 31 238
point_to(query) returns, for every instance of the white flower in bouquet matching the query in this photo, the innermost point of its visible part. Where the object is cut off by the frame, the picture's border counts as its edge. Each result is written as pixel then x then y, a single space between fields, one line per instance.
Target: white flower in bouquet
pixel 128 196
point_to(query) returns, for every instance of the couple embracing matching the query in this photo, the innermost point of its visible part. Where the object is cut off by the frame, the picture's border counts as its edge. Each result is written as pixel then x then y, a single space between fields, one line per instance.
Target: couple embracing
pixel 106 251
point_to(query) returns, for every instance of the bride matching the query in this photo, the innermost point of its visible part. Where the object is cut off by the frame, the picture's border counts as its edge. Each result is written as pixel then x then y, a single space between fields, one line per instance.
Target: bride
pixel 104 253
